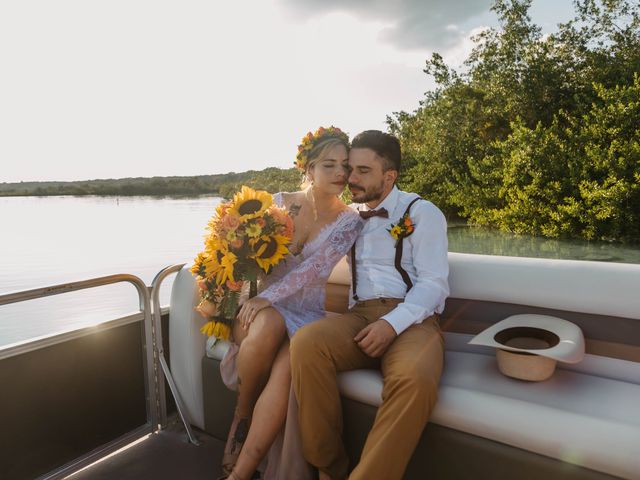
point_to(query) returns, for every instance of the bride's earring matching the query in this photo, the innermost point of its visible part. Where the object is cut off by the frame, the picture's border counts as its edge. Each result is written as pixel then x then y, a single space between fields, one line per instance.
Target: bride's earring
pixel 312 199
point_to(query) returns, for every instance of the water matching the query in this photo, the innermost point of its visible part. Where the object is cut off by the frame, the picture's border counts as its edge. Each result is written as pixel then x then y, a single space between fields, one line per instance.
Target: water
pixel 53 240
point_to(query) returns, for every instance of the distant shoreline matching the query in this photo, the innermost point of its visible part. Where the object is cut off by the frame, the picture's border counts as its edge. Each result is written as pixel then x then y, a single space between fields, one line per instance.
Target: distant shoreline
pixel 271 179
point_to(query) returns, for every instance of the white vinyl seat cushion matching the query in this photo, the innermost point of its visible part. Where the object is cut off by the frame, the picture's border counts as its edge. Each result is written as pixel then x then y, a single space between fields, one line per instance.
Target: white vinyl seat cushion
pixel 578 418
pixel 588 415
pixel 575 417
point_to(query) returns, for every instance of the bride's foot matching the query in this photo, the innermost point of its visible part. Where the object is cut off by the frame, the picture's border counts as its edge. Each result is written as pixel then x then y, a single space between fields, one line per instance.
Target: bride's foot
pixel 237 436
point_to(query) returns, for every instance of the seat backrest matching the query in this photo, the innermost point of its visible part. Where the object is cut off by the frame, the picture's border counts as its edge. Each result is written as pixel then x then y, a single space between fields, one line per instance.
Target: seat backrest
pixel 187 344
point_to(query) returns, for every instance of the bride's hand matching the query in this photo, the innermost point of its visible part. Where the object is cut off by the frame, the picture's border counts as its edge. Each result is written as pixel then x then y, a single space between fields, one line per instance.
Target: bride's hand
pixel 250 309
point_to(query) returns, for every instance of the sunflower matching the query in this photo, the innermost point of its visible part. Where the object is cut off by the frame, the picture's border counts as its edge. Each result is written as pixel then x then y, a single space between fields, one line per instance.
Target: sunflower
pixel 214 243
pixel 206 265
pixel 220 330
pixel 198 267
pixel 270 250
pixel 249 203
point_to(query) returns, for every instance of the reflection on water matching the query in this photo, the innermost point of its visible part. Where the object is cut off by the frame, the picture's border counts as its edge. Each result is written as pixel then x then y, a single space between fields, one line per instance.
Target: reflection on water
pixel 52 240
pixel 485 241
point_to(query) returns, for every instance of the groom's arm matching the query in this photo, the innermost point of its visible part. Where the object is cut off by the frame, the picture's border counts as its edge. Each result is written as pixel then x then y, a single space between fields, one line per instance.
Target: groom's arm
pixel 429 258
pixel 431 288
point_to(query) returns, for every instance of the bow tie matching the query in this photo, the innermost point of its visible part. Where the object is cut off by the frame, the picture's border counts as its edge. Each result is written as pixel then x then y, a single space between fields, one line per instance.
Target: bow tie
pixel 382 212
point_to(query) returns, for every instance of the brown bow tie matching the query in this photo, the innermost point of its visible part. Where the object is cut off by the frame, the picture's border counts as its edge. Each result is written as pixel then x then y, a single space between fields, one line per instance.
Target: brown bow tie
pixel 381 212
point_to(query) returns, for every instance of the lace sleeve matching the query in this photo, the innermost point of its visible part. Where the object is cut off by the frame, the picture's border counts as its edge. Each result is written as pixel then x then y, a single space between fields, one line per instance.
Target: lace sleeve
pixel 326 256
pixel 278 199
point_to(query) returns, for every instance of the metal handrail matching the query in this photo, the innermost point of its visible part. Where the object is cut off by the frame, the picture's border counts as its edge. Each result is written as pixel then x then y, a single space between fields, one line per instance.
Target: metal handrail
pixel 145 308
pixel 164 372
pixel 14 297
pixel 157 328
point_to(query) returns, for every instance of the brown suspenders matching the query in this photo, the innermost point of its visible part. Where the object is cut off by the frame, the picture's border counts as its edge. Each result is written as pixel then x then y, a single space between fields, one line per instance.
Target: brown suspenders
pixel 398 260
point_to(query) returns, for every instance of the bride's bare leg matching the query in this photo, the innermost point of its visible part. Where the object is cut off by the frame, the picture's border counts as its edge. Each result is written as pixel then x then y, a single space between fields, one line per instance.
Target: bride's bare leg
pixel 268 416
pixel 256 355
pixel 258 348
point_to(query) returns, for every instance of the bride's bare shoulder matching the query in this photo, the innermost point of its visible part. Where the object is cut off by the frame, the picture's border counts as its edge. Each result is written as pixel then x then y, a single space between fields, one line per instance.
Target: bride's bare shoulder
pixel 292 201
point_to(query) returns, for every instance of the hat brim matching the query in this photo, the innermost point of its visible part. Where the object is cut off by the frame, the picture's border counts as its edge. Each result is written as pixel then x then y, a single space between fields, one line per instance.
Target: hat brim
pixel 568 347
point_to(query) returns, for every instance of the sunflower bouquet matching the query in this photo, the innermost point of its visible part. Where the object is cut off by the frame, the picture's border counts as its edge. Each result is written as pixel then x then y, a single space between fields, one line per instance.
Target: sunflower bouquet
pixel 247 236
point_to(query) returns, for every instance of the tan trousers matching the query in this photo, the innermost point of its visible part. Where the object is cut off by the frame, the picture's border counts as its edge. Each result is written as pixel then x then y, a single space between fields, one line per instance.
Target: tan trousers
pixel 411 369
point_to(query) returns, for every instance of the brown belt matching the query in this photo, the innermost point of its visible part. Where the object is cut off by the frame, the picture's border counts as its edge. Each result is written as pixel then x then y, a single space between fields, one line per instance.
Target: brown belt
pixel 379 301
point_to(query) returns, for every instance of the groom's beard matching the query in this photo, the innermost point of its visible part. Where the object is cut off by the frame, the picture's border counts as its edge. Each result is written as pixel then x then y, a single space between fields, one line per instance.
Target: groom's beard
pixel 366 196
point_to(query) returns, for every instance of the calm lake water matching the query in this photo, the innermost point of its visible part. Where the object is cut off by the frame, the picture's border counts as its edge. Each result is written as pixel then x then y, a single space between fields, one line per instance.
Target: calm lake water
pixel 52 240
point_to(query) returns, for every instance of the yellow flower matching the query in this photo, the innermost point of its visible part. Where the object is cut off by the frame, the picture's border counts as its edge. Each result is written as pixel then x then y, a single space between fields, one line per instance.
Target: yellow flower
pixel 232 236
pixel 395 232
pixel 220 330
pixel 207 328
pixel 198 265
pixel 227 260
pixel 206 265
pixel 249 203
pixel 211 266
pixel 270 250
pixel 253 230
pixel 214 243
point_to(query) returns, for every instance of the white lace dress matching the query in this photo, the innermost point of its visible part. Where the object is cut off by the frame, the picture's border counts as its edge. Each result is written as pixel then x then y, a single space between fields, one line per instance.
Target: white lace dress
pixel 296 289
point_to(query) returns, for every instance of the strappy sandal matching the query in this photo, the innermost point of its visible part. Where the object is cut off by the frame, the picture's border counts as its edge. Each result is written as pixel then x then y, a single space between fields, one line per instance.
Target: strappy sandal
pixel 237 436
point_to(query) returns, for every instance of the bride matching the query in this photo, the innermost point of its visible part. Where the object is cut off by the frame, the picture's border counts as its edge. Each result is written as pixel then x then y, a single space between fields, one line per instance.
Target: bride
pixel 293 295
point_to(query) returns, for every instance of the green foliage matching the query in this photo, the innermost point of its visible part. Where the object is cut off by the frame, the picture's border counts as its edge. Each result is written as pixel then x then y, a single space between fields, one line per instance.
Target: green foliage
pixel 537 134
pixel 271 179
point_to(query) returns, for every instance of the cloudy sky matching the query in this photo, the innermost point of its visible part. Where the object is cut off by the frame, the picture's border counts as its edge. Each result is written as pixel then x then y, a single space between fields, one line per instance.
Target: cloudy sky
pixel 129 88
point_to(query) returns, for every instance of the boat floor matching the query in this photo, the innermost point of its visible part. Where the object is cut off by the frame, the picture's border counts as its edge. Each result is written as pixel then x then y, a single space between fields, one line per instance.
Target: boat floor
pixel 165 454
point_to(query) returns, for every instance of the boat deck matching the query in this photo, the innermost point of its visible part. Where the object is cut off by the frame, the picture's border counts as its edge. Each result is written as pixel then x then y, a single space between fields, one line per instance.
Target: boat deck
pixel 166 454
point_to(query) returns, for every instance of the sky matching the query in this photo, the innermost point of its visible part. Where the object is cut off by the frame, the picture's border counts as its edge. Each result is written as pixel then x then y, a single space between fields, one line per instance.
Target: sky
pixel 141 88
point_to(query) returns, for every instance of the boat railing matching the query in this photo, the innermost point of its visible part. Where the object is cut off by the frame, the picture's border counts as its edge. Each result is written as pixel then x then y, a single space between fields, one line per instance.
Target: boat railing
pixel 150 320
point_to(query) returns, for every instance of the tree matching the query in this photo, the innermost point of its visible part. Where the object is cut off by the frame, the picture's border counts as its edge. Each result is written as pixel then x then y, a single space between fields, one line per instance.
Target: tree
pixel 536 134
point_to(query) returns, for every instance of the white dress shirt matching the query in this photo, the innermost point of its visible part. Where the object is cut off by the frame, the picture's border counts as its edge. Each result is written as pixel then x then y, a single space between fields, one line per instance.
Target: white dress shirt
pixel 424 257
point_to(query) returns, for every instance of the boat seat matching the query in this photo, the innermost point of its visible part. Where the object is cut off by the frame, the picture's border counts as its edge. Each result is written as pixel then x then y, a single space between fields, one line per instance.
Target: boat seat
pixel 586 415
pixel 584 419
pixel 587 420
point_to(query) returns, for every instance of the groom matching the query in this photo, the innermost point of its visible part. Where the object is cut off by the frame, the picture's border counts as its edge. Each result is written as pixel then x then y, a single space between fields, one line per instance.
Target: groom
pixel 399 286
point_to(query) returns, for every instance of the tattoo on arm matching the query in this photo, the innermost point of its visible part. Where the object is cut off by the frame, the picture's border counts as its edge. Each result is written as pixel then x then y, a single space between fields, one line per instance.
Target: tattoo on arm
pixel 294 210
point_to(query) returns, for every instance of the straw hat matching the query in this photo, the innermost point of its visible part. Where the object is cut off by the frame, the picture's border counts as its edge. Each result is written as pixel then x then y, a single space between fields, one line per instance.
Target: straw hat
pixel 528 346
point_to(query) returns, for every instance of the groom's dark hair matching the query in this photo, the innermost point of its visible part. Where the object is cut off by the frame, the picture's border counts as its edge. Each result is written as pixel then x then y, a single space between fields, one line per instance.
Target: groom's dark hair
pixel 384 144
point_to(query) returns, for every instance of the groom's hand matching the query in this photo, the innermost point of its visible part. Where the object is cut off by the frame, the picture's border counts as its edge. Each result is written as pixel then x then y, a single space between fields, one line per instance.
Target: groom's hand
pixel 374 339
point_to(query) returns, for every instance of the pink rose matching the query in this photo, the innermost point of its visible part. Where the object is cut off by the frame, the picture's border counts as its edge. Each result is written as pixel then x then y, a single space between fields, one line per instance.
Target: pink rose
pixel 207 309
pixel 230 222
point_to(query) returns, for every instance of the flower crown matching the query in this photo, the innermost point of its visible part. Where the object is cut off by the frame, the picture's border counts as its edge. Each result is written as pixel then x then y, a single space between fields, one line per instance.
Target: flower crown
pixel 311 140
